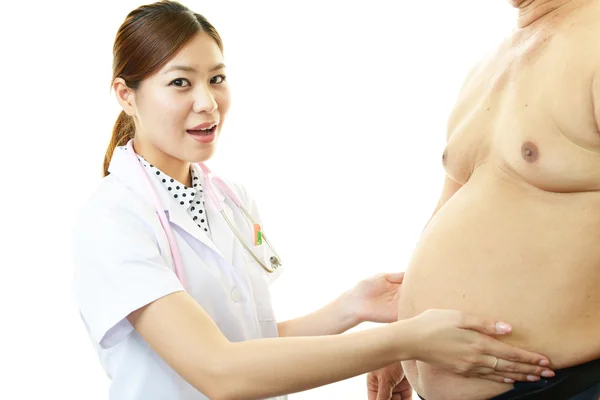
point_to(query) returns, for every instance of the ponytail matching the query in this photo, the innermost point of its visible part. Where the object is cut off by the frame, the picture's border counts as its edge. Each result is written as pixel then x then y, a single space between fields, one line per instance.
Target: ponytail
pixel 122 132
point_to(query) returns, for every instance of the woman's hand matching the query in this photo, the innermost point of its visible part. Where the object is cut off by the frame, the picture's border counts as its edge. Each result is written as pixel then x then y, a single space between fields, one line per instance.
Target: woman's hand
pixel 461 343
pixel 375 299
pixel 388 383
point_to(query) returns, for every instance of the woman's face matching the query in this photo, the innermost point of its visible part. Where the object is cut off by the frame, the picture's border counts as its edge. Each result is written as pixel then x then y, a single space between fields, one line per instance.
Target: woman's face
pixel 179 111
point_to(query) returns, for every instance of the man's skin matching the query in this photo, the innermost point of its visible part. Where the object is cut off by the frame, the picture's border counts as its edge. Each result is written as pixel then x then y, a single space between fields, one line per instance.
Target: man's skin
pixel 516 232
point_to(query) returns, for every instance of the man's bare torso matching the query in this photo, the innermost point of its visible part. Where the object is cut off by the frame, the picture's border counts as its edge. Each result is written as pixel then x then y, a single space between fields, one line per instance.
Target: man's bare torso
pixel 520 240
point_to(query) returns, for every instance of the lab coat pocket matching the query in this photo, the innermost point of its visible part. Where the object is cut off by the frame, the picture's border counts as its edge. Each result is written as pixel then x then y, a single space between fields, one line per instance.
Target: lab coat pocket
pixel 260 285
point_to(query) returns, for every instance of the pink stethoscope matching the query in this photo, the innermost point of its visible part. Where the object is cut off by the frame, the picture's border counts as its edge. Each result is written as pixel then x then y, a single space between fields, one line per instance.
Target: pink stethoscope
pixel 209 180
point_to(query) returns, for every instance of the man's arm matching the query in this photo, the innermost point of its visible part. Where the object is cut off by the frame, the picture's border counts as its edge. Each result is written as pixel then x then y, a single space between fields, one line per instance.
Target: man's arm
pixel 596 98
pixel 449 188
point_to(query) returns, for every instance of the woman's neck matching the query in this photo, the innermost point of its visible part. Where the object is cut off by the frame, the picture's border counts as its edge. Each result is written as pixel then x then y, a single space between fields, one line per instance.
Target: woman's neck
pixel 171 166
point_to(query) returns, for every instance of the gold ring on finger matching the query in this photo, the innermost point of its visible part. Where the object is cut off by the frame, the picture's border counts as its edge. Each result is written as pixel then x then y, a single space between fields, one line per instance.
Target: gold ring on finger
pixel 495 363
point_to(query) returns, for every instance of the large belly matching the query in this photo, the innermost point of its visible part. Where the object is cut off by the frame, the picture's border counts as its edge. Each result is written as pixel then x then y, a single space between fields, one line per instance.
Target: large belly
pixel 502 249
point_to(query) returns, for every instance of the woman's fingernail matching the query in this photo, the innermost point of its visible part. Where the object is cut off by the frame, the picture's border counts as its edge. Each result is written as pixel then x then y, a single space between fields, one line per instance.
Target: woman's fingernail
pixel 502 327
pixel 508 380
pixel 544 363
pixel 532 378
pixel 548 374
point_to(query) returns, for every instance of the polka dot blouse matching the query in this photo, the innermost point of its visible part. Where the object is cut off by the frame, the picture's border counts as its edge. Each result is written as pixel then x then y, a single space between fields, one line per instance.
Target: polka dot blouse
pixel 190 198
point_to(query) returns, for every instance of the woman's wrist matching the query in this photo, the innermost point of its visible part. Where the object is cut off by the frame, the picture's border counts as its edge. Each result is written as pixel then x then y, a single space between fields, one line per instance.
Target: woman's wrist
pixel 354 306
pixel 406 343
pixel 334 318
pixel 346 309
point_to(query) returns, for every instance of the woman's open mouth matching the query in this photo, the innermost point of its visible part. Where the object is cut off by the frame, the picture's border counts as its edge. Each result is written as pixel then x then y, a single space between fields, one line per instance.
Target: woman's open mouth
pixel 204 133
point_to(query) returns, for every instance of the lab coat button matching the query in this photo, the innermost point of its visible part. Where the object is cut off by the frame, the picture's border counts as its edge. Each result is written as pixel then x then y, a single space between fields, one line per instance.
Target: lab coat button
pixel 236 295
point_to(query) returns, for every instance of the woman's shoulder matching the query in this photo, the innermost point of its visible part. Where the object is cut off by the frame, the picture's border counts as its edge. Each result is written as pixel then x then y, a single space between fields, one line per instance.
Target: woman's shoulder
pixel 111 202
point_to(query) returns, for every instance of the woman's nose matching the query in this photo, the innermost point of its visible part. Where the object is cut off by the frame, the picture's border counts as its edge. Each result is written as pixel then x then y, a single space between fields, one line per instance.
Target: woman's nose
pixel 204 101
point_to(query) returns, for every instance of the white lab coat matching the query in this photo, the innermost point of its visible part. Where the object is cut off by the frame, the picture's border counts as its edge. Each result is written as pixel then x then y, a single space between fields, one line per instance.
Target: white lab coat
pixel 123 262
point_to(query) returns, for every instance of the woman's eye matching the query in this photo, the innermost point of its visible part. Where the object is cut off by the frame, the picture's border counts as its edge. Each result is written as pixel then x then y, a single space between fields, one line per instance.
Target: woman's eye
pixel 218 79
pixel 180 82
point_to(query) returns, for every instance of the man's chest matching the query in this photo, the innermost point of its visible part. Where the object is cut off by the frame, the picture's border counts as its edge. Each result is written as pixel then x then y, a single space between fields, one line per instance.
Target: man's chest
pixel 534 119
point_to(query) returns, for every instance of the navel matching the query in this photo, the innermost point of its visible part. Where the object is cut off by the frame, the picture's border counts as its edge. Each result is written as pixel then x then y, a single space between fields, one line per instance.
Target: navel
pixel 445 156
pixel 530 152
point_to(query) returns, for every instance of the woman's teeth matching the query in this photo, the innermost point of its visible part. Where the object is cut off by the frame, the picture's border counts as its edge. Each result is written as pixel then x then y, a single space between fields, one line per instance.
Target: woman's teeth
pixel 201 131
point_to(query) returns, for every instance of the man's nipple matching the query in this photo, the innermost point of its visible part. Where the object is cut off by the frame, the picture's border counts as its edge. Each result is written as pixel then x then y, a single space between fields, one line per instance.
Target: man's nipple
pixel 530 152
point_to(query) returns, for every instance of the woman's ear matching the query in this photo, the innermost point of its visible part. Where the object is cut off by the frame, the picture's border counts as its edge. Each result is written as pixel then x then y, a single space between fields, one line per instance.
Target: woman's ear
pixel 125 96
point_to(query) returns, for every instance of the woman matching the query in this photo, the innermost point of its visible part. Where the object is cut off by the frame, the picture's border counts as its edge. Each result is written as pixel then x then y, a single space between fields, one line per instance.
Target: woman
pixel 176 307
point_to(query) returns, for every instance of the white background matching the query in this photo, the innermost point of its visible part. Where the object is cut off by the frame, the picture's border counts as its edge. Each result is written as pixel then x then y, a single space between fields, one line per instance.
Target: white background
pixel 337 129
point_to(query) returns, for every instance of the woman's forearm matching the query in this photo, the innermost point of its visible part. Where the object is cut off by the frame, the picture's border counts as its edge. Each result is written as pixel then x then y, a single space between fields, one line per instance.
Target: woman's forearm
pixel 336 317
pixel 189 341
pixel 270 367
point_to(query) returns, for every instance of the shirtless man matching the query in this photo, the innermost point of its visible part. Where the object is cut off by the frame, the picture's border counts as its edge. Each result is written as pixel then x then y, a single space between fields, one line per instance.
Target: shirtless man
pixel 518 221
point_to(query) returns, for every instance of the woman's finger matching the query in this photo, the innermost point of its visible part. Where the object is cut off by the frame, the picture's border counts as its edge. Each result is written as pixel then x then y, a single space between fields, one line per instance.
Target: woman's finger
pixel 484 325
pixel 515 359
pixel 397 277
pixel 503 377
pixel 517 377
pixel 497 378
pixel 521 369
pixel 503 368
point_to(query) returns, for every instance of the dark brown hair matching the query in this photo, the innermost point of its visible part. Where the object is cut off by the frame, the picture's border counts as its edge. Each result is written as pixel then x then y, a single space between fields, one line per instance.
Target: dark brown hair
pixel 148 38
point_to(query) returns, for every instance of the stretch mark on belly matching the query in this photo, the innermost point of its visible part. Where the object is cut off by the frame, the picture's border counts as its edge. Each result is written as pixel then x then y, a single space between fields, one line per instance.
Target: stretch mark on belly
pixel 530 152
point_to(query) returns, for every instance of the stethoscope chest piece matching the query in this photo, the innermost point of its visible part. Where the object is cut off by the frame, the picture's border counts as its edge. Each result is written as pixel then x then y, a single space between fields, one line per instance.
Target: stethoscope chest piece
pixel 274 262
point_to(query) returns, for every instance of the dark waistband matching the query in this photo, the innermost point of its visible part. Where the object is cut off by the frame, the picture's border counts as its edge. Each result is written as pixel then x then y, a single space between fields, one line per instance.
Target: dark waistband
pixel 567 383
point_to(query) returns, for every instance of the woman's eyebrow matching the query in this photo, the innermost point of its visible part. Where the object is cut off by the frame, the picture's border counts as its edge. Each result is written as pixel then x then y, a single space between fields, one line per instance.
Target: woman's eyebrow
pixel 187 68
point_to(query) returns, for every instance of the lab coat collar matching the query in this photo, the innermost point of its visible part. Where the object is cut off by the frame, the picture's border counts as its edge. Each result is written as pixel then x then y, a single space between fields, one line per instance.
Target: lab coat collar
pixel 122 167
pixel 220 231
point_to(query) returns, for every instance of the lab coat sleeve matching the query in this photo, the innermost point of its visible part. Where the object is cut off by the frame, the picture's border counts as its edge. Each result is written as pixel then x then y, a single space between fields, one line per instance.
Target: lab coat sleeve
pixel 118 269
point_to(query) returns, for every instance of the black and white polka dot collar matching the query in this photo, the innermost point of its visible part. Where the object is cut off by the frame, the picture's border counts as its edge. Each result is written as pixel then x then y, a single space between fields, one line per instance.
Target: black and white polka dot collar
pixel 182 194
